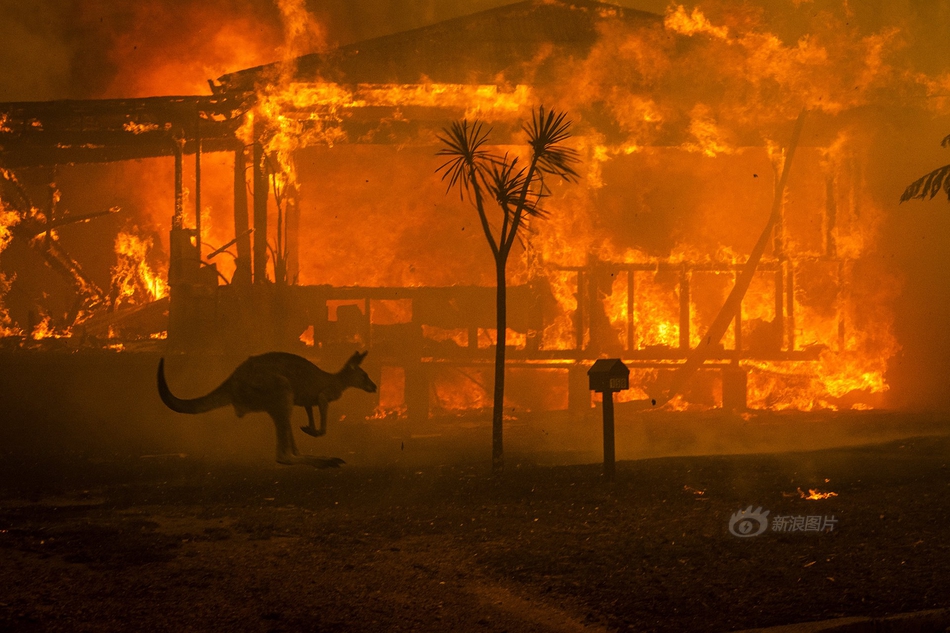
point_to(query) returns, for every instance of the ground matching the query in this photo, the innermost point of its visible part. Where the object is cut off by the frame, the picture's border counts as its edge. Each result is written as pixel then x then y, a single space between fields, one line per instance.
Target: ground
pixel 178 543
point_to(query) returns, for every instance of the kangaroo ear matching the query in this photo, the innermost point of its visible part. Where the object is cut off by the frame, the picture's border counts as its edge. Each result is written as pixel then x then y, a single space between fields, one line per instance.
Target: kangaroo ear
pixel 356 358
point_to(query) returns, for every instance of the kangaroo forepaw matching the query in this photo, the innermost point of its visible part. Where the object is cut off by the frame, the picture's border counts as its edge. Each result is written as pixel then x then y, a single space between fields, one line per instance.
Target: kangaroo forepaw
pixel 309 430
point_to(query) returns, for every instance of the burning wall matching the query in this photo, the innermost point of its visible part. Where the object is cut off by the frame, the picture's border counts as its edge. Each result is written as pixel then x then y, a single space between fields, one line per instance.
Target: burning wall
pixel 683 122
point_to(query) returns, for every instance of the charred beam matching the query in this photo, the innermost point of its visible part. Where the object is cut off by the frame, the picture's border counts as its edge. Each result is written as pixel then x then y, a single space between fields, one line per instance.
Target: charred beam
pixel 260 215
pixel 242 229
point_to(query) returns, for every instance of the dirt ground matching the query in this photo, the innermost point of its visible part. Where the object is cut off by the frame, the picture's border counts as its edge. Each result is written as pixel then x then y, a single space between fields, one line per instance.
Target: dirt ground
pixel 178 543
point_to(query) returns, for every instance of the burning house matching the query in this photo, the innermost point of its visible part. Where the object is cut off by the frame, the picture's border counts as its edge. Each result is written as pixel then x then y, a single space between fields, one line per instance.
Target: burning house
pixel 298 207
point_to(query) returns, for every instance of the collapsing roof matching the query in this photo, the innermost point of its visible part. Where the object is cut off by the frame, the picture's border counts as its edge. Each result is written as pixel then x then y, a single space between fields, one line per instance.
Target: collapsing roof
pixel 515 44
pixel 512 44
pixel 63 132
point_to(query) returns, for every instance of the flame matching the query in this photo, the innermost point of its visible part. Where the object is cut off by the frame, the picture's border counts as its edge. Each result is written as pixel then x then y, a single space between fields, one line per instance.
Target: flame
pixel 133 279
pixel 45 329
pixel 487 337
pixel 392 394
pixel 816 495
pixel 460 389
pixel 441 335
pixel 679 110
pixel 709 137
pixel 8 220
pixel 139 128
pixel 678 21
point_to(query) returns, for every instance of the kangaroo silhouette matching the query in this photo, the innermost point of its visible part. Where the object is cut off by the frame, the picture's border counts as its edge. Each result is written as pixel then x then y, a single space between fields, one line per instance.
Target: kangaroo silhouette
pixel 274 383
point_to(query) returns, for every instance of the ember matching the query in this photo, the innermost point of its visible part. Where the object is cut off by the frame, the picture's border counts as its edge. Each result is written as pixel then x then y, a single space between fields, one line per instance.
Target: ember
pixel 816 495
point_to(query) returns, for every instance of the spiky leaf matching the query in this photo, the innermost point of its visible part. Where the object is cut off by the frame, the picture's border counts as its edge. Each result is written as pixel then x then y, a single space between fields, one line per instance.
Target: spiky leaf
pixel 506 181
pixel 930 185
pixel 463 145
pixel 546 133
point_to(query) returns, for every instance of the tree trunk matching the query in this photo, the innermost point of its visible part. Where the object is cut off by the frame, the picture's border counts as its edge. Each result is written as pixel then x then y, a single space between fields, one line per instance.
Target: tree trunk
pixel 501 329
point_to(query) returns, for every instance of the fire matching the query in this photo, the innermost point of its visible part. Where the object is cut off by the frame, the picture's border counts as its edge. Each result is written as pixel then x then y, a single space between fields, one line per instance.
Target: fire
pixel 459 337
pixel 133 279
pixel 678 21
pixel 8 219
pixel 638 258
pixel 392 403
pixel 45 329
pixel 139 128
pixel 461 389
pixel 816 495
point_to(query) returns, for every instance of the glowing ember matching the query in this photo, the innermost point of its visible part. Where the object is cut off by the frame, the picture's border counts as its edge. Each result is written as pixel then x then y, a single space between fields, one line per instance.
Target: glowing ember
pixel 816 495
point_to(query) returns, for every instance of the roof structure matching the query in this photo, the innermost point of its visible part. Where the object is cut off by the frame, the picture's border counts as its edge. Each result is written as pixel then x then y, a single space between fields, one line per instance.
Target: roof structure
pixel 512 44
pixel 515 44
pixel 43 133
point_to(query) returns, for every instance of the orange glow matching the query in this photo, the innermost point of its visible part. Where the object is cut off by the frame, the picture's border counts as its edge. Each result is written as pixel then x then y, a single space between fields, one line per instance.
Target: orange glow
pixel 133 279
pixel 441 335
pixel 816 495
pixel 44 329
pixel 392 393
pixel 680 125
pixel 678 21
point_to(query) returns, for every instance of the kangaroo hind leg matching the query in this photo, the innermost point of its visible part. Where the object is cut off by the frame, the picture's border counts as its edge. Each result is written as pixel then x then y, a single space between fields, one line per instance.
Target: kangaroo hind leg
pixel 280 411
pixel 286 446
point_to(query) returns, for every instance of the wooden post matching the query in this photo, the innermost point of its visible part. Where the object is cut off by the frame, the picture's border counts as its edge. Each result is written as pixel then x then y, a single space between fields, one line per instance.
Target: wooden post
pixel 684 310
pixel 790 306
pixel 178 221
pixel 260 215
pixel 241 226
pixel 606 376
pixel 580 313
pixel 779 324
pixel 610 461
pixel 292 231
pixel 738 328
pixel 631 310
pixel 198 183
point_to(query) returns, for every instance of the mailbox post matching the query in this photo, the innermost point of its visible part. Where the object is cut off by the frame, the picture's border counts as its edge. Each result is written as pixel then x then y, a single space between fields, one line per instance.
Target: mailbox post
pixel 608 375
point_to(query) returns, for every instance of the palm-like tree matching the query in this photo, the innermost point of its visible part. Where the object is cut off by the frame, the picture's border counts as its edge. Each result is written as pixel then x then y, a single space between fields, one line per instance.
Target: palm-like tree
pixel 929 185
pixel 516 189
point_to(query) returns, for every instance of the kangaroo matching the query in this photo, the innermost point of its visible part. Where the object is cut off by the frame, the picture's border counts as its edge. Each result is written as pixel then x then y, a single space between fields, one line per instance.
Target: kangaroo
pixel 274 383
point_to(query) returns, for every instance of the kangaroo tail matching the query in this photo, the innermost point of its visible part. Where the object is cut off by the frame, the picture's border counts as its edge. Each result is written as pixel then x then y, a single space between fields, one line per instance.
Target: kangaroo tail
pixel 214 400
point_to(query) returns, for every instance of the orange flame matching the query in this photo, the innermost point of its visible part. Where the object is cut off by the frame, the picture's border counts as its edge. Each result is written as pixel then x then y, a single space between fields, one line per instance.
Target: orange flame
pixel 816 495
pixel 133 279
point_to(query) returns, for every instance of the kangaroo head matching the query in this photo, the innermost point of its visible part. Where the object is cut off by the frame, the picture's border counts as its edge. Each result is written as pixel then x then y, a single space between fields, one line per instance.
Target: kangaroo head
pixel 354 376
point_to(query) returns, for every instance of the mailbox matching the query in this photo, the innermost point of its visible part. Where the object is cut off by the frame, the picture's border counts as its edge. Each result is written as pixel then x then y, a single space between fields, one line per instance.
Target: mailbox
pixel 609 374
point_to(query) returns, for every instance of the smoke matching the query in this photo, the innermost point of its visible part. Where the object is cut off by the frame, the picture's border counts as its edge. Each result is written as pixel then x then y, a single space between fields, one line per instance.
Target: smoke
pixel 80 49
